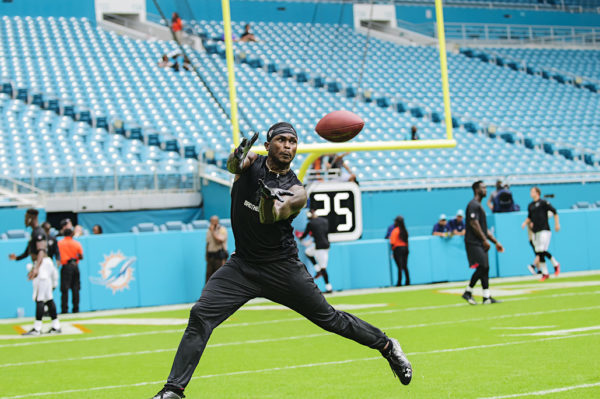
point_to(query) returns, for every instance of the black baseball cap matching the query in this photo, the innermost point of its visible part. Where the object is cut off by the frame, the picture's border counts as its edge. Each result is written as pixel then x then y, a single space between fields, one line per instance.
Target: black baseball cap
pixel 64 222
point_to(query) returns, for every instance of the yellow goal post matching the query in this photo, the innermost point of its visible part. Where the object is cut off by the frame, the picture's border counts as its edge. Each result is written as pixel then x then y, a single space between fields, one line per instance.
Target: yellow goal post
pixel 315 150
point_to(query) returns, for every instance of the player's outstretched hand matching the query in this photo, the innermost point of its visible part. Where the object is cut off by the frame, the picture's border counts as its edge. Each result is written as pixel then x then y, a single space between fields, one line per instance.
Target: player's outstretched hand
pixel 242 150
pixel 272 193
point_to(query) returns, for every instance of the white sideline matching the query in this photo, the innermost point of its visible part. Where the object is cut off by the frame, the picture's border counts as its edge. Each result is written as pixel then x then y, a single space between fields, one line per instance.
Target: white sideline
pixel 267 340
pixel 29 395
pixel 187 306
pixel 546 392
pixel 36 341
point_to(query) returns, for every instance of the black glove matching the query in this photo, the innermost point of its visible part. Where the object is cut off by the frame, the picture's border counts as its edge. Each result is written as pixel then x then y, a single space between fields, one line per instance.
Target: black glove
pixel 272 193
pixel 242 150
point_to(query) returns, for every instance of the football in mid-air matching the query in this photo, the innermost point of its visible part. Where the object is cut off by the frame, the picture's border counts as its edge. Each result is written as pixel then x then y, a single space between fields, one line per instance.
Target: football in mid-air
pixel 339 126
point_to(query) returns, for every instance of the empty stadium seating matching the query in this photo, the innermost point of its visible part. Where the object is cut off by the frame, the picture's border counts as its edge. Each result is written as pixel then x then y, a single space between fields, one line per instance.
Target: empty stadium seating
pixel 583 63
pixel 80 70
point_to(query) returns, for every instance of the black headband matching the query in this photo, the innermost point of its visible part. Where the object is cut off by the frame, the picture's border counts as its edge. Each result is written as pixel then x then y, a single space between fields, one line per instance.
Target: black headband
pixel 280 128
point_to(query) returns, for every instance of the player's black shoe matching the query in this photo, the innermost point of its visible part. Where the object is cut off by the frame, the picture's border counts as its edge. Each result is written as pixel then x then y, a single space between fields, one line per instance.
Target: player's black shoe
pixel 490 300
pixel 54 331
pixel 398 361
pixel 467 296
pixel 166 393
pixel 32 332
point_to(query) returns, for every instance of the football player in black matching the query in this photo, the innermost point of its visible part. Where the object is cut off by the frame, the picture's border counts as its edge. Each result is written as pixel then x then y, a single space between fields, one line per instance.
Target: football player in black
pixel 537 221
pixel 477 245
pixel 42 273
pixel 318 251
pixel 265 197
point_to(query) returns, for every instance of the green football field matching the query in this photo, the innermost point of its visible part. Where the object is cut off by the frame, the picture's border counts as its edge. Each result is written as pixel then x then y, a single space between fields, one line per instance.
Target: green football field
pixel 543 340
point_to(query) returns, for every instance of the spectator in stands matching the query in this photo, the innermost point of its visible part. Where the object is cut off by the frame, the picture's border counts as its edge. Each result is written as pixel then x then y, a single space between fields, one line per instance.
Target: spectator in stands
pixel 78 231
pixel 52 243
pixel 413 133
pixel 97 229
pixel 247 36
pixel 165 62
pixel 399 241
pixel 441 228
pixel 216 246
pixel 503 201
pixel 71 252
pixel 457 225
pixel 187 64
pixel 490 202
pixel 337 162
pixel 176 26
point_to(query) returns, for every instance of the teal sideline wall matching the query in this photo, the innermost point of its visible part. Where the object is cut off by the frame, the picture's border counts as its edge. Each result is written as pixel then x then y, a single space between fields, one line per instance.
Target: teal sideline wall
pixel 14 218
pixel 421 208
pixel 170 267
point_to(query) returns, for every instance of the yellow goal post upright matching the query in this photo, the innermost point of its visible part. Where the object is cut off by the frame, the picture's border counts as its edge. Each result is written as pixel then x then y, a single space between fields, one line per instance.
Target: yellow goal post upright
pixel 317 149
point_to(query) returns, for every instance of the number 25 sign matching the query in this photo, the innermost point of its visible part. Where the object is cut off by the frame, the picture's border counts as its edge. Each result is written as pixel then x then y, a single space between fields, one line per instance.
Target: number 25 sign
pixel 340 203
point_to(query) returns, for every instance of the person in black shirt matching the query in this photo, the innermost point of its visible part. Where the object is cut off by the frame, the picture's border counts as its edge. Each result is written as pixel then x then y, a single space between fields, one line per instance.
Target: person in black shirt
pixel 477 245
pixel 537 220
pixel 318 251
pixel 52 244
pixel 42 273
pixel 265 197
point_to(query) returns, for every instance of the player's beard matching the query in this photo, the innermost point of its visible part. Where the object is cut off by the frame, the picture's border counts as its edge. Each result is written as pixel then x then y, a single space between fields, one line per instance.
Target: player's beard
pixel 276 162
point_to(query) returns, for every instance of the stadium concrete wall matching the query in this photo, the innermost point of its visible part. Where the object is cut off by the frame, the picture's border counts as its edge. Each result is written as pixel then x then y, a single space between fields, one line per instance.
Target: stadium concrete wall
pixel 424 14
pixel 333 13
pixel 131 270
pixel 49 8
pixel 265 11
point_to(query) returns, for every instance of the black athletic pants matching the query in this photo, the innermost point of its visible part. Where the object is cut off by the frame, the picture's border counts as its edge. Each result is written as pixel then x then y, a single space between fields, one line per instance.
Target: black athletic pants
pixel 478 260
pixel 69 280
pixel 286 282
pixel 401 258
pixel 39 309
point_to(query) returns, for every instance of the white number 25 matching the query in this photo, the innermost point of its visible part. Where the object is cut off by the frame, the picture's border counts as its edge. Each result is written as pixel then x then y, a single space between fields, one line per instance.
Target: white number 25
pixel 337 207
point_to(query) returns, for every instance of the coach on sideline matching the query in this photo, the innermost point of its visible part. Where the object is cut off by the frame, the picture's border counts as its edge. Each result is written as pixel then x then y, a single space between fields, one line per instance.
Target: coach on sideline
pixel 71 253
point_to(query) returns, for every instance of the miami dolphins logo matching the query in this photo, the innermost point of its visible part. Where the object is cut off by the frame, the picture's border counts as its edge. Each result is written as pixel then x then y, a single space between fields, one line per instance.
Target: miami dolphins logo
pixel 116 272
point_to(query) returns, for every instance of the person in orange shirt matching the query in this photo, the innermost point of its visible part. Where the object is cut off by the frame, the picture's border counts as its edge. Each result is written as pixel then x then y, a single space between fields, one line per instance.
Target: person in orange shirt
pixel 399 241
pixel 176 26
pixel 71 253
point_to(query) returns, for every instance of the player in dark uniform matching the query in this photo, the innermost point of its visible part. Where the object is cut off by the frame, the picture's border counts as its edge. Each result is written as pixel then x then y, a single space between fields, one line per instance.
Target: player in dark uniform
pixel 265 197
pixel 41 273
pixel 318 251
pixel 477 245
pixel 537 220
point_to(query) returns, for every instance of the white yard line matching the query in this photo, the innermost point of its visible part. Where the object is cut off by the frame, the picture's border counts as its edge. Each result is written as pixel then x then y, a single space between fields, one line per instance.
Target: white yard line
pixel 36 341
pixel 298 366
pixel 267 340
pixel 545 392
pixel 521 328
pixel 257 301
pixel 557 332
